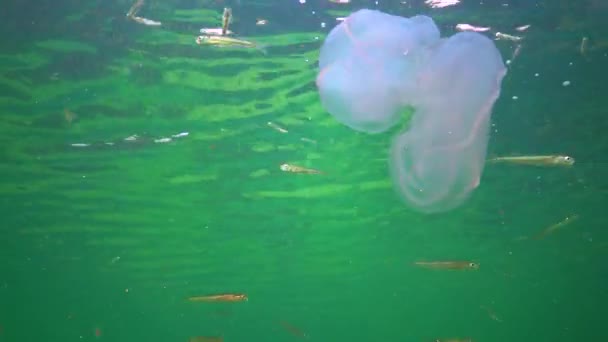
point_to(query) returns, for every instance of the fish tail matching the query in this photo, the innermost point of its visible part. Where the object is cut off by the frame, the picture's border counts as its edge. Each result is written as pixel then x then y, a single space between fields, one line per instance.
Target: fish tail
pixel 199 299
pixel 493 160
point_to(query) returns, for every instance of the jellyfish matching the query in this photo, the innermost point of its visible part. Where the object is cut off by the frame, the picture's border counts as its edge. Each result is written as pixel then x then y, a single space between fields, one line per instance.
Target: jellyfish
pixel 373 65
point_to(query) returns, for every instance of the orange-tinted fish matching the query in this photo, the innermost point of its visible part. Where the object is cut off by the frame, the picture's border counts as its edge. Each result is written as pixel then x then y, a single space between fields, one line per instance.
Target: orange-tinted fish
pixel 293 330
pixel 220 298
pixel 132 14
pixel 551 229
pixel 299 169
pixel 69 116
pixel 226 19
pixel 448 265
pixel 135 8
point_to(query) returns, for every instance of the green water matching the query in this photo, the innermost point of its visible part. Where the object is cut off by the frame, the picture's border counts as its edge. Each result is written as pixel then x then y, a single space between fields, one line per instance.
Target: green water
pixel 106 242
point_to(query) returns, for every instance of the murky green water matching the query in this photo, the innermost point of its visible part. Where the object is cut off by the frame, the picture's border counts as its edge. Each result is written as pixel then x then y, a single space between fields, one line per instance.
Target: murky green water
pixel 106 240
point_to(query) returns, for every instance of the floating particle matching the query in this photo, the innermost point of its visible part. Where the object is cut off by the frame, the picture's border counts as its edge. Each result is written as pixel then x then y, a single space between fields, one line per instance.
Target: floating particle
pixel 566 83
pixel 536 74
pixel 515 97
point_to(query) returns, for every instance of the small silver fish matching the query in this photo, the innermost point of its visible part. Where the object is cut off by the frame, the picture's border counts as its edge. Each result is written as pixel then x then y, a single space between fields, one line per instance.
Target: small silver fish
pixel 504 36
pixel 551 160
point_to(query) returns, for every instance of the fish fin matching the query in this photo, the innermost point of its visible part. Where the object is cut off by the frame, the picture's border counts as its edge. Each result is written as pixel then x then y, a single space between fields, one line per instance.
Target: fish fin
pixel 262 48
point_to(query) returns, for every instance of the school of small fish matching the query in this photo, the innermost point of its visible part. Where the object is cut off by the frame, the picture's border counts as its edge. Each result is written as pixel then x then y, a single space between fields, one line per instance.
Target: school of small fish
pixel 219 37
